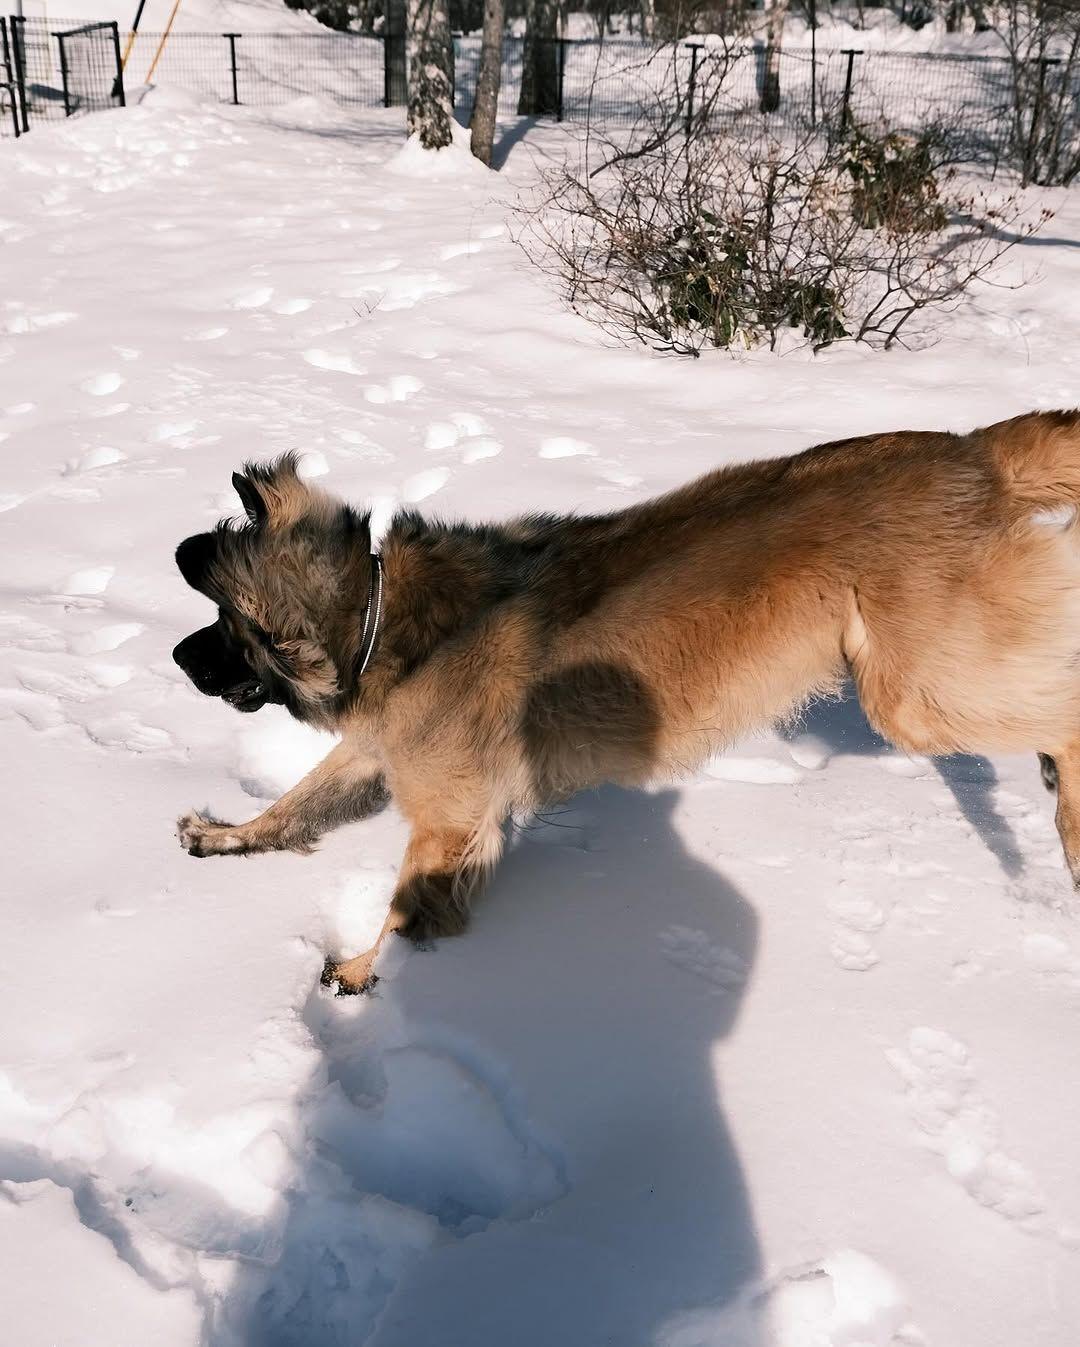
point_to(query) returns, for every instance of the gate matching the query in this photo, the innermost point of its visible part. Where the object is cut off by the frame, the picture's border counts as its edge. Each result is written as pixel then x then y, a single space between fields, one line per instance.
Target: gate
pixel 90 68
pixel 48 75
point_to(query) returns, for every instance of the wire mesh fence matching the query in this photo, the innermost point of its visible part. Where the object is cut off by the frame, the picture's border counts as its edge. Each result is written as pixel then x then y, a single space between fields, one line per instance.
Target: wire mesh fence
pixel 990 110
pixel 38 74
pixel 90 68
pixel 263 69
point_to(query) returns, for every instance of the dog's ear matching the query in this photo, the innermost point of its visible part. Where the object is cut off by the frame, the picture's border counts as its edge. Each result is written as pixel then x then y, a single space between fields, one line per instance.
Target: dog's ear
pixel 250 499
pixel 273 494
pixel 195 556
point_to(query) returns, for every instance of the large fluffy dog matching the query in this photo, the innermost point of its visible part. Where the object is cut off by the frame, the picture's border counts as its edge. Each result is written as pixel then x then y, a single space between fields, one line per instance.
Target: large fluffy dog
pixel 476 671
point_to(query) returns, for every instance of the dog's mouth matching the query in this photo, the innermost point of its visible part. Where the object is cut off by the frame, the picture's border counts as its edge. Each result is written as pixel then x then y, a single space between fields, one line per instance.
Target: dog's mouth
pixel 246 697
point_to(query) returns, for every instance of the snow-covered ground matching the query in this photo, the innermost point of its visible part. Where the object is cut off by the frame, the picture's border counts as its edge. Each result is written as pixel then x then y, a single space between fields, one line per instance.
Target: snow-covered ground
pixel 782 1057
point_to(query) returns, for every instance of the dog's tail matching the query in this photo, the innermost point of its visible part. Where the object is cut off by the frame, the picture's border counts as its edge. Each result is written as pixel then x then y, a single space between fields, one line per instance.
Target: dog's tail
pixel 1038 457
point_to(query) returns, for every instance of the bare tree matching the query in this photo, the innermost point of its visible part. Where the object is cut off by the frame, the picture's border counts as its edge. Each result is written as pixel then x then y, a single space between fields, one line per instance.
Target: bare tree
pixel 488 81
pixel 775 15
pixel 431 73
pixel 1042 43
pixel 539 61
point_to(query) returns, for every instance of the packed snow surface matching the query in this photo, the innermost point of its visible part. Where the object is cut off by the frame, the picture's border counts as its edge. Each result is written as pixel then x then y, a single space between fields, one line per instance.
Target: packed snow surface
pixel 785 1056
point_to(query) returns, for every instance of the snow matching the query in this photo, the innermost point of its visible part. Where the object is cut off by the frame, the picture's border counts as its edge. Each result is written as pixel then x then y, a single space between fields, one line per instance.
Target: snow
pixel 781 1057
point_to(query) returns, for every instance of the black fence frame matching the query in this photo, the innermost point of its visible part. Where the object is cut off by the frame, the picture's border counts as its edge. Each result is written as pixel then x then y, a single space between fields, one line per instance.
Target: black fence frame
pixel 8 85
pixel 17 80
pixel 117 83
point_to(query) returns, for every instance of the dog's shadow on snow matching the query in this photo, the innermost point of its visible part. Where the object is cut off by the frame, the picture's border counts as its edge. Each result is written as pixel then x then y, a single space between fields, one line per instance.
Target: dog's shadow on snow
pixel 841 725
pixel 522 1137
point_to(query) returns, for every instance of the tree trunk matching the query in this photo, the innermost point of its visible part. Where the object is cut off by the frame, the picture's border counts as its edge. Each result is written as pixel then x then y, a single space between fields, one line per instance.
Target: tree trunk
pixel 431 73
pixel 648 19
pixel 540 60
pixel 488 80
pixel 774 41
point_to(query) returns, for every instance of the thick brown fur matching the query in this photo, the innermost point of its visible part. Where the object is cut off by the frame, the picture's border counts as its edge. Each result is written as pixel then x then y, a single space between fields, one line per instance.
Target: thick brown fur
pixel 517 663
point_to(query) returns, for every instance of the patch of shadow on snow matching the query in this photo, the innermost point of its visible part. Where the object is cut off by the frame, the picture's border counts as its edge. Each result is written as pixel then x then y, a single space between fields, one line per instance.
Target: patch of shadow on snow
pixel 519 1137
pixel 839 724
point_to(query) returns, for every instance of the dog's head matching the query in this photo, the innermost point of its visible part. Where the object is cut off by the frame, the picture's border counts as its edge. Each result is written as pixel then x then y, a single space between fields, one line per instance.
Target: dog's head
pixel 290 586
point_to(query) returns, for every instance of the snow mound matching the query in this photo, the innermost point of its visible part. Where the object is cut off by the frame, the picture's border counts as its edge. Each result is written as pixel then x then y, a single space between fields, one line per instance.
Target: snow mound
pixel 455 160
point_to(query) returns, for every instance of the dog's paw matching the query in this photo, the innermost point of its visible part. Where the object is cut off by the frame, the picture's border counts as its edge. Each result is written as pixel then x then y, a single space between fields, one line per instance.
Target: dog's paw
pixel 203 837
pixel 335 976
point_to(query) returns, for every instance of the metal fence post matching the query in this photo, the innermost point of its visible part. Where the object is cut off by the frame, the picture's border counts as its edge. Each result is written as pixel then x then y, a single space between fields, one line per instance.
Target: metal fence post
pixel 850 53
pixel 9 82
pixel 1032 149
pixel 232 65
pixel 118 84
pixel 813 62
pixel 562 41
pixel 691 84
pixel 395 70
pixel 18 51
pixel 64 73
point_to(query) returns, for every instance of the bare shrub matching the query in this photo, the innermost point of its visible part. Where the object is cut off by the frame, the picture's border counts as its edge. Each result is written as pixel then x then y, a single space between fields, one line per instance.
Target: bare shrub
pixel 734 240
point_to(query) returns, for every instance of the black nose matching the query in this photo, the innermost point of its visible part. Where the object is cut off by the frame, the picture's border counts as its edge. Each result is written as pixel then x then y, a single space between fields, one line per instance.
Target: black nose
pixel 212 663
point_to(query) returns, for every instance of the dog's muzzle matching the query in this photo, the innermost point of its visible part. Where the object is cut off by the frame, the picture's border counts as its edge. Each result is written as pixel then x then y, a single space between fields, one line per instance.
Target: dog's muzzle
pixel 218 669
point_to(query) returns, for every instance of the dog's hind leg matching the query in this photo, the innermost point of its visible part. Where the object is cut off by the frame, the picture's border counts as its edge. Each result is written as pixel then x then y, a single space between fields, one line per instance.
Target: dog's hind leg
pixel 347 785
pixel 1067 763
pixel 443 867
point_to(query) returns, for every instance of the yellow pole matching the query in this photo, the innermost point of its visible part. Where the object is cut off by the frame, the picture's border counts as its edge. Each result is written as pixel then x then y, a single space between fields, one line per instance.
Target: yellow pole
pixel 161 44
pixel 131 35
pixel 127 49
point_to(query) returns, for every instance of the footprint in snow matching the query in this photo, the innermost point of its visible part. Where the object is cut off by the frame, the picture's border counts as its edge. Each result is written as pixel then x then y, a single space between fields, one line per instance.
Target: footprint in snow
pixel 841 1300
pixel 21 633
pixel 562 446
pixel 398 389
pixel 287 307
pixel 753 771
pixel 424 484
pixel 94 580
pixel 695 952
pixel 618 476
pixel 810 752
pixel 857 917
pixel 904 764
pixel 453 250
pixel 254 299
pixel 337 362
pixel 125 730
pixel 36 322
pixel 955 1121
pixel 312 464
pixel 101 385
pixel 103 457
pixel 484 446
pixel 1052 957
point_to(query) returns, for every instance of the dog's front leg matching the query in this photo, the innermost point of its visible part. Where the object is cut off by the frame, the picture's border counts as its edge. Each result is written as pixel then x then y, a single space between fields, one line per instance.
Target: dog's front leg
pixel 347 785
pixel 443 867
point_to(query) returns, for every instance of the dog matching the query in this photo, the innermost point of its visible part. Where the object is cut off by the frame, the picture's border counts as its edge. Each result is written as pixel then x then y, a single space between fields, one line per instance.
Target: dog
pixel 474 672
